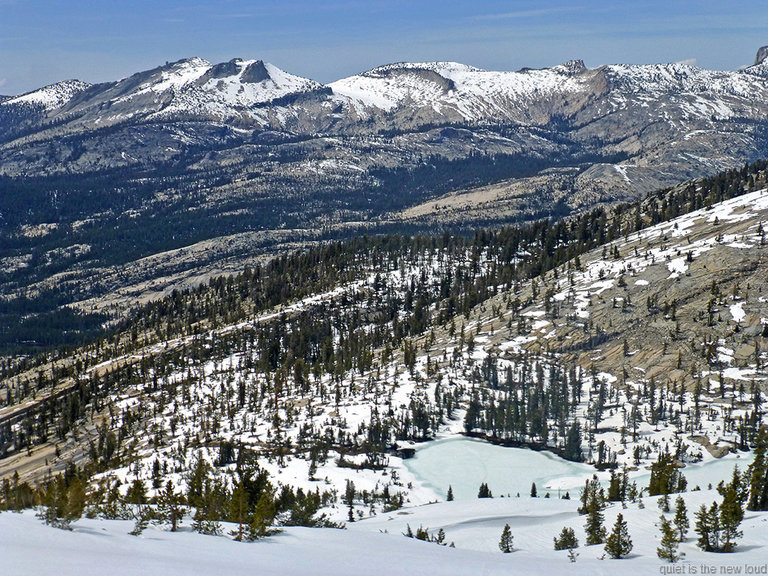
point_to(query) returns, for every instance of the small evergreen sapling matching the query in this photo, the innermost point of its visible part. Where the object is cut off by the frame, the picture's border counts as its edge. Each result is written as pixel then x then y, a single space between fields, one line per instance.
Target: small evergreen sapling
pixel 170 506
pixel 618 544
pixel 143 515
pixel 567 539
pixel 669 542
pixel 505 543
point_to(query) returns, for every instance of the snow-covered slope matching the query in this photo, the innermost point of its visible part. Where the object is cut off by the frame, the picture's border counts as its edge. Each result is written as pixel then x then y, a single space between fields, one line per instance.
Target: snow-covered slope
pixel 451 88
pixel 218 90
pixel 95 547
pixel 377 545
pixel 477 95
pixel 190 89
pixel 50 97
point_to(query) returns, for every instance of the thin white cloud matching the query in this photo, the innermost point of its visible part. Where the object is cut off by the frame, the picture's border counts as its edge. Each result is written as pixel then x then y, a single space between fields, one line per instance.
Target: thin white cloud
pixel 688 61
pixel 526 13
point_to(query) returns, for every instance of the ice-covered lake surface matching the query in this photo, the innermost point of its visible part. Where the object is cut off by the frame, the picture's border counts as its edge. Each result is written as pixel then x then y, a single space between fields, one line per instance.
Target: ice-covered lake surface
pixel 465 463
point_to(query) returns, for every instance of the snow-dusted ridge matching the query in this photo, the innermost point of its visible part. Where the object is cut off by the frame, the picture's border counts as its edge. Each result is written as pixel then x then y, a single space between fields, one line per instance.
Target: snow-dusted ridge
pixel 449 91
pixel 472 94
pixel 50 97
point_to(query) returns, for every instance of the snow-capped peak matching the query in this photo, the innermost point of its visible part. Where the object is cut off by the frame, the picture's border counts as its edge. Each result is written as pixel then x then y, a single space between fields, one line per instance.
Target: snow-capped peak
pixel 52 96
pixel 458 89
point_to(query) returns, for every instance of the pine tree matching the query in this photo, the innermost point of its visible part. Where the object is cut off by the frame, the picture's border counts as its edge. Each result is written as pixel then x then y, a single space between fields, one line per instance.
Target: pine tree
pixel 204 521
pixel 142 516
pixel 731 515
pixel 505 543
pixel 669 542
pixel 533 490
pixel 618 544
pixel 614 487
pixel 137 492
pixel 449 498
pixel 484 491
pixel 707 526
pixel 349 499
pixel 594 524
pixel 592 489
pixel 170 506
pixel 666 478
pixel 262 518
pixel 573 443
pixel 567 539
pixel 758 473
pixel 681 518
pixel 62 504
pixel 238 511
pixel 76 499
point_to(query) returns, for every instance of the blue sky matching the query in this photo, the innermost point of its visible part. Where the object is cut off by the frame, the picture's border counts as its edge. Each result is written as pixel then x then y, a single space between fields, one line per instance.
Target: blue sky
pixel 46 41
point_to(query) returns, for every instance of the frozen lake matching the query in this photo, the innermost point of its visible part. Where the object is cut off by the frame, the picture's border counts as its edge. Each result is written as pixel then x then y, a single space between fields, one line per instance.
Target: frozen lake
pixel 465 463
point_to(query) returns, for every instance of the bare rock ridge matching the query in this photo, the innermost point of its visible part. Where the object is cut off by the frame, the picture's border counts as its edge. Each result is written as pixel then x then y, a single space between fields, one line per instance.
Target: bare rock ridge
pixel 255 72
pixel 762 54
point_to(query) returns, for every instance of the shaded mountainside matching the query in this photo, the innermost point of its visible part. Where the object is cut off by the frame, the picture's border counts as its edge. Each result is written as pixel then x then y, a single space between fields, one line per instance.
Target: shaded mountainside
pixel 120 192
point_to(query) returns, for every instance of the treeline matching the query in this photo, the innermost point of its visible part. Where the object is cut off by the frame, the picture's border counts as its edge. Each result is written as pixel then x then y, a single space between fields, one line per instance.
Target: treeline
pixel 243 496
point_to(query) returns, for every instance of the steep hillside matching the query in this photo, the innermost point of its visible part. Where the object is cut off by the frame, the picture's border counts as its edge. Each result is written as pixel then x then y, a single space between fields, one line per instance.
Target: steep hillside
pixel 606 338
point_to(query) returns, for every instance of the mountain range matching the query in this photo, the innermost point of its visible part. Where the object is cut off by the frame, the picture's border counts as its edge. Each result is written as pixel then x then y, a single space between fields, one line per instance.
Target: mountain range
pixel 120 192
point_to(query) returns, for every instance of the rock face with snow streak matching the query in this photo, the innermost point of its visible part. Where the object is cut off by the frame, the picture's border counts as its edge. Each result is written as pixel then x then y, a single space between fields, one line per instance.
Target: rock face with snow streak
pixel 762 54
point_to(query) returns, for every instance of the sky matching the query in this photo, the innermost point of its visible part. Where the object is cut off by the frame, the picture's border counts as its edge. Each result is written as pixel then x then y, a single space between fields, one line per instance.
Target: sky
pixel 42 42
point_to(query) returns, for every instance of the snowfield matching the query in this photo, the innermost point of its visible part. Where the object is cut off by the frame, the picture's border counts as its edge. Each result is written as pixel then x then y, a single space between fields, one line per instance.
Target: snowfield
pixel 374 546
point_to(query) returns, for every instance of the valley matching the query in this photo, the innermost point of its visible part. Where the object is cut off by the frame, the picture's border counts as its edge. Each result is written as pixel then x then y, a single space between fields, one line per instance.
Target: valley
pixel 381 345
pixel 401 312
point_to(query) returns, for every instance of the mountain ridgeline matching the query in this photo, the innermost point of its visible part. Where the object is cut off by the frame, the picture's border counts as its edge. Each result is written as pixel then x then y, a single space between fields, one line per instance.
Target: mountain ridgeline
pixel 124 191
